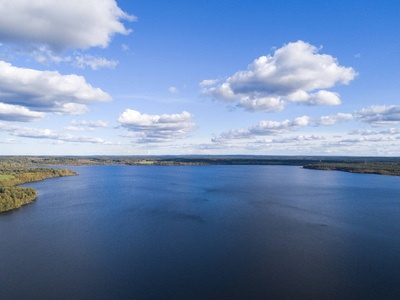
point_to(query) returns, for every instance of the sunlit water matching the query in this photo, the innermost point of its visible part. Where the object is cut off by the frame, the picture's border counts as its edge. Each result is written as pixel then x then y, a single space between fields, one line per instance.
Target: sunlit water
pixel 204 232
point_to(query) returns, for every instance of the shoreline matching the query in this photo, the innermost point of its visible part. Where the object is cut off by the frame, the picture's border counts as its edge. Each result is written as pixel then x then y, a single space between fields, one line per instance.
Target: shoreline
pixel 12 196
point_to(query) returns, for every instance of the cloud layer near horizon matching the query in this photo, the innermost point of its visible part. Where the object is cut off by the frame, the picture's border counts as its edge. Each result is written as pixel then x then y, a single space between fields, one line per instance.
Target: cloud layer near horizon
pixel 263 128
pixel 376 116
pixel 48 134
pixel 295 73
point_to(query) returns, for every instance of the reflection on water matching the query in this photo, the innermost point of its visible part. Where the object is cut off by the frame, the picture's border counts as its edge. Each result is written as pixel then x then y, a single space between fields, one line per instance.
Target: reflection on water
pixel 204 232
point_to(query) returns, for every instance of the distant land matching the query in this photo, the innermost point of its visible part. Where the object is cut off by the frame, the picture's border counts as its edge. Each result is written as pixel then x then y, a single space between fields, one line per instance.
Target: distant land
pixel 371 165
pixel 14 171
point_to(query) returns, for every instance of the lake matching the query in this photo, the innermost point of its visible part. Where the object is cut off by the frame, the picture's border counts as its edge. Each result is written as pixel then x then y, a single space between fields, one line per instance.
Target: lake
pixel 204 232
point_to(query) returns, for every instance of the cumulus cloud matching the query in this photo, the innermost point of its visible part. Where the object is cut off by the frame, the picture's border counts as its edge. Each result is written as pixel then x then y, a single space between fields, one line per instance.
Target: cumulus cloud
pixel 97 123
pixel 173 90
pixel 19 113
pixel 262 104
pixel 319 98
pixel 45 134
pixel 81 61
pixel 263 128
pixel 295 73
pixel 47 91
pixel 157 128
pixel 60 25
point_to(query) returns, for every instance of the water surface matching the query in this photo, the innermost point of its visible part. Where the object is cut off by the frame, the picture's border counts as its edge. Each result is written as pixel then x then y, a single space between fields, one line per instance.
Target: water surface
pixel 204 232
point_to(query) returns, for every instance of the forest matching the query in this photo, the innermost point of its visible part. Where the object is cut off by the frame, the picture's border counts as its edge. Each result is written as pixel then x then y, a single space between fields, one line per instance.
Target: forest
pixel 12 196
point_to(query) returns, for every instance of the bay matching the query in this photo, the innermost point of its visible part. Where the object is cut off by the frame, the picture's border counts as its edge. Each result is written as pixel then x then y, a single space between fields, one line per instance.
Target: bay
pixel 204 232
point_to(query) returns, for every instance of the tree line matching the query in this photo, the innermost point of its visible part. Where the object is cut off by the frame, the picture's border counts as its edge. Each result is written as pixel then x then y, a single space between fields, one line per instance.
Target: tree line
pixel 12 196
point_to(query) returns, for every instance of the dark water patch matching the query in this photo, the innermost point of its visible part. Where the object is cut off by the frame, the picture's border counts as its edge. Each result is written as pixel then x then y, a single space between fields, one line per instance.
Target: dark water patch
pixel 200 200
pixel 176 215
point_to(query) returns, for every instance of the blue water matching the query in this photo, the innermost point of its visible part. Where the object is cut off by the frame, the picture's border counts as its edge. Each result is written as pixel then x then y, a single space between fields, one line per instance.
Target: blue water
pixel 204 232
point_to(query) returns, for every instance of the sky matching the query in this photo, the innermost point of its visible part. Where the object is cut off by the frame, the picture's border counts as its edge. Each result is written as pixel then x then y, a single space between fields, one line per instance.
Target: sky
pixel 182 77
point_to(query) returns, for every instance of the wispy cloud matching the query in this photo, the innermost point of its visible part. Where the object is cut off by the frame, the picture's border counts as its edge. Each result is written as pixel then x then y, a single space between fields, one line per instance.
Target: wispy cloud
pixel 74 128
pixel 97 123
pixel 95 62
pixel 173 90
pixel 47 134
pixel 10 141
pixel 208 82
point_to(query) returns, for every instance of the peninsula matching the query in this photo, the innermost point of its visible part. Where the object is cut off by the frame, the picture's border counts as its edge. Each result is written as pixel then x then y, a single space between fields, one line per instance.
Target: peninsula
pixel 13 196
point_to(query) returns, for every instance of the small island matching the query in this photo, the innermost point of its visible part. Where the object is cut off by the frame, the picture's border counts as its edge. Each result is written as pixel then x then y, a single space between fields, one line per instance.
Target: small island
pixel 13 196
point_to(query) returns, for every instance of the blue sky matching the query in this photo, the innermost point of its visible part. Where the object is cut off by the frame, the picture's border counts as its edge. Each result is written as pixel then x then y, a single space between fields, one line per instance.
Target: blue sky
pixel 199 77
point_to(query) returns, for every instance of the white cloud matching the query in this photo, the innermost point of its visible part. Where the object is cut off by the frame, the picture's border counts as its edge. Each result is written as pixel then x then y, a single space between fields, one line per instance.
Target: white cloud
pixel 319 98
pixel 19 113
pixel 74 128
pixel 375 115
pixel 60 25
pixel 157 128
pixel 81 61
pixel 208 82
pixel 125 47
pixel 368 139
pixel 390 131
pixel 333 119
pixel 10 141
pixel 263 128
pixel 47 134
pixel 291 74
pixel 299 138
pixel 97 123
pixel 45 56
pixel 362 132
pixel 47 91
pixel 380 115
pixel 173 90
pixel 262 104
